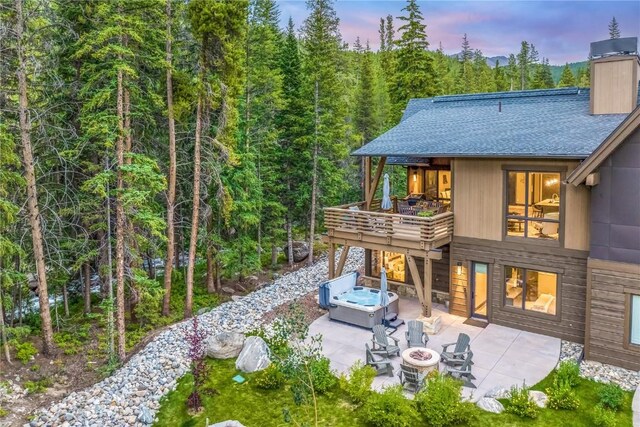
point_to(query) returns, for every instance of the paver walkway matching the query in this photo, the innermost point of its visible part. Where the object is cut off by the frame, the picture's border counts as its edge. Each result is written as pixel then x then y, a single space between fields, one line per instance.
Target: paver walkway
pixel 502 356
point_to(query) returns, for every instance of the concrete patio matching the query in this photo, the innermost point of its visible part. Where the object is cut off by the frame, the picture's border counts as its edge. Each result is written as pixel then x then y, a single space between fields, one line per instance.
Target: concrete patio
pixel 502 356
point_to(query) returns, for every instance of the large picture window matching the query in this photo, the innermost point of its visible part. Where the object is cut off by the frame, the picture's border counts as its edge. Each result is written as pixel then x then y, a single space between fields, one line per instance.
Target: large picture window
pixel 393 263
pixel 634 336
pixel 531 290
pixel 533 204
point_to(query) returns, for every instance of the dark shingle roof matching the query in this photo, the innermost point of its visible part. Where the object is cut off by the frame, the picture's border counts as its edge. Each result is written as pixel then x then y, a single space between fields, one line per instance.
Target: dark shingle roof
pixel 534 123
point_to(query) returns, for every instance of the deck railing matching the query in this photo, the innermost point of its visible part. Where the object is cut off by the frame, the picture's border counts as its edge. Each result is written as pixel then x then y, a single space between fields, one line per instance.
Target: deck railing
pixel 347 219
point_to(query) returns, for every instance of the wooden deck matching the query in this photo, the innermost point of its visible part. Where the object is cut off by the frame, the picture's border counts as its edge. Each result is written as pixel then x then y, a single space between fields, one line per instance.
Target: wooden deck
pixel 364 228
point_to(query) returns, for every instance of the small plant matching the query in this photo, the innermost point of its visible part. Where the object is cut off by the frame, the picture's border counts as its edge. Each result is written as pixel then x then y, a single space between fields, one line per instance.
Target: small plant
pixel 34 368
pixel 389 409
pixel 195 337
pixel 521 404
pixel 426 214
pixel 321 376
pixel 38 386
pixel 24 351
pixel 3 412
pixel 440 405
pixel 611 396
pixel 568 371
pixel 603 417
pixel 358 384
pixel 270 378
pixel 562 396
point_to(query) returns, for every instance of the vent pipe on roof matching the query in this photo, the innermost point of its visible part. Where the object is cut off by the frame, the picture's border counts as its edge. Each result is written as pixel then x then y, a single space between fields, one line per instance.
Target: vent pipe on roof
pixel 499 106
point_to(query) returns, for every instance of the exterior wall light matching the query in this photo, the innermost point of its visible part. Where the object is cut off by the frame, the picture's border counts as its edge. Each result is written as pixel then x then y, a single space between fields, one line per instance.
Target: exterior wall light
pixel 459 268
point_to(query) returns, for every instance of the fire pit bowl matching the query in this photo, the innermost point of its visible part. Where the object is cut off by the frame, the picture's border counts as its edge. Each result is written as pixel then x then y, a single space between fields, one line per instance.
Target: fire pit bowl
pixel 423 359
pixel 420 355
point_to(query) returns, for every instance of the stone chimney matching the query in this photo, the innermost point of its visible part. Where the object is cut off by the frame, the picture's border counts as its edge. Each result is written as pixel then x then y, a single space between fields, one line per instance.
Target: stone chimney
pixel 615 70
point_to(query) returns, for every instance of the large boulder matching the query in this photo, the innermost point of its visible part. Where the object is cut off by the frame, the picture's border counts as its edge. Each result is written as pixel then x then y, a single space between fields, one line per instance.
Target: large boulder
pixel 490 404
pixel 300 251
pixel 224 345
pixel 498 392
pixel 254 355
pixel 539 397
pixel 228 423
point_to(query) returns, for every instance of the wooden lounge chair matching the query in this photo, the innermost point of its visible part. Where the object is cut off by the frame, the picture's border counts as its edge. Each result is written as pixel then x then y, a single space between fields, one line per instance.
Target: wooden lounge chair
pixel 379 363
pixel 455 357
pixel 381 342
pixel 411 378
pixel 464 371
pixel 416 337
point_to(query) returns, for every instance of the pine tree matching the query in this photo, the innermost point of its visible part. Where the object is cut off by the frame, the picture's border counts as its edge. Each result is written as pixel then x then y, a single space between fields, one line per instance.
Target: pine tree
pixel 512 72
pixel 366 122
pixel 567 79
pixel 413 75
pixel 614 29
pixel 466 78
pixel 524 64
pixel 500 78
pixel 542 79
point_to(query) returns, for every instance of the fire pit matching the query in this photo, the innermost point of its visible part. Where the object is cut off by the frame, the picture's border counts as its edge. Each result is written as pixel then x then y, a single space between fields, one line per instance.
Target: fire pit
pixel 423 359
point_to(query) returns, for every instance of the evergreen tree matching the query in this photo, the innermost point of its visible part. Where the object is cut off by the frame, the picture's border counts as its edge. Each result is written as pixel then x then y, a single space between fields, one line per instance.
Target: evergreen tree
pixel 500 78
pixel 366 118
pixel 413 75
pixel 482 76
pixel 512 72
pixel 465 58
pixel 542 78
pixel 524 65
pixel 614 29
pixel 567 79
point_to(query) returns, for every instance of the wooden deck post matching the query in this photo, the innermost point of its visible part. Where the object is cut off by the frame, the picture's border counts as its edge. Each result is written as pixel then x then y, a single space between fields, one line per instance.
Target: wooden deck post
pixel 367 177
pixel 342 260
pixel 420 291
pixel 376 180
pixel 428 277
pixel 332 261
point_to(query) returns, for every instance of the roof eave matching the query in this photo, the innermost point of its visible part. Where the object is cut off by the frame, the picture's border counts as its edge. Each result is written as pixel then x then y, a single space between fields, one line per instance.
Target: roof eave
pixel 572 156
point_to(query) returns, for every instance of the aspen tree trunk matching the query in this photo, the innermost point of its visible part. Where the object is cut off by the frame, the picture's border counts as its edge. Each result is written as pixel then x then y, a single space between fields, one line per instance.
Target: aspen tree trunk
pixel 120 223
pixel 3 332
pixel 171 194
pixel 211 260
pixel 86 277
pixel 188 306
pixel 65 300
pixel 314 182
pixel 289 242
pixel 32 194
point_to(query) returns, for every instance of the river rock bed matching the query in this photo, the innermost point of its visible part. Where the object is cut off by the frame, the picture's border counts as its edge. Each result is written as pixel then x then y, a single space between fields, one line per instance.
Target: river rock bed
pixel 628 380
pixel 132 394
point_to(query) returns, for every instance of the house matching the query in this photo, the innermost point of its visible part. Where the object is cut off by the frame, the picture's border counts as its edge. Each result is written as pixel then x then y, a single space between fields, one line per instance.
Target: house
pixel 523 208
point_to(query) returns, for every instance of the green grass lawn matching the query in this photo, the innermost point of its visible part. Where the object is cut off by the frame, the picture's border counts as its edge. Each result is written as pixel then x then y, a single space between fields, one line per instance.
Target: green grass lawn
pixel 255 407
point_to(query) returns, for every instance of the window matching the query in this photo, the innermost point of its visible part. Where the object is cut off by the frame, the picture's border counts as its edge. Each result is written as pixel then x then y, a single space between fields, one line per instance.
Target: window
pixel 634 336
pixel 533 204
pixel 531 290
pixel 393 263
pixel 430 184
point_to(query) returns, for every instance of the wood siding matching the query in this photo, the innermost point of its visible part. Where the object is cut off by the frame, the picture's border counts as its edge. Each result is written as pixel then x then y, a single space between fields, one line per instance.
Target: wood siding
pixel 478 200
pixel 570 265
pixel 614 84
pixel 610 285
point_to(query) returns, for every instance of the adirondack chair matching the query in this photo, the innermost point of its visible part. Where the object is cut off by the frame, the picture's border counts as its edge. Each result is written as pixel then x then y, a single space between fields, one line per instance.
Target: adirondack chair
pixel 416 337
pixel 463 372
pixel 456 357
pixel 379 363
pixel 411 378
pixel 381 342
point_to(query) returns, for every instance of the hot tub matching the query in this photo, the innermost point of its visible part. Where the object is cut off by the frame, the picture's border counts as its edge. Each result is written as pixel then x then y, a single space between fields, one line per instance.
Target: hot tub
pixel 361 306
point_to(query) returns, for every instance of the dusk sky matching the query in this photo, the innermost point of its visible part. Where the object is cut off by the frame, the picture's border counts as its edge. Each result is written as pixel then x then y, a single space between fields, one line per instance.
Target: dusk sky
pixel 560 30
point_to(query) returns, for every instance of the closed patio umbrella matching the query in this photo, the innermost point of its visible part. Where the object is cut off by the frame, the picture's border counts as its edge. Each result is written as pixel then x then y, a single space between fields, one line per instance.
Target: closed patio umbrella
pixel 384 294
pixel 386 199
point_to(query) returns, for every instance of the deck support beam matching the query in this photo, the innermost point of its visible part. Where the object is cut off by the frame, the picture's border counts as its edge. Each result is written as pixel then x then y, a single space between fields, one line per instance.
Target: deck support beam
pixel 342 260
pixel 428 277
pixel 332 261
pixel 376 180
pixel 425 300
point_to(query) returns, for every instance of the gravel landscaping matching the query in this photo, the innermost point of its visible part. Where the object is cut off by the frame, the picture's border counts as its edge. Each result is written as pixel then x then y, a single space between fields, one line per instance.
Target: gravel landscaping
pixel 132 394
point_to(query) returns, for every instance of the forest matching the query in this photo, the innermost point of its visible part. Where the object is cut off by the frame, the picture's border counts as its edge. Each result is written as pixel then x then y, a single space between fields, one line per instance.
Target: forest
pixel 151 150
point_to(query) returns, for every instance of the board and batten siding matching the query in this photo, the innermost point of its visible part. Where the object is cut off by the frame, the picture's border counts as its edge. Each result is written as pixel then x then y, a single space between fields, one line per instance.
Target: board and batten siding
pixel 570 265
pixel 610 286
pixel 478 200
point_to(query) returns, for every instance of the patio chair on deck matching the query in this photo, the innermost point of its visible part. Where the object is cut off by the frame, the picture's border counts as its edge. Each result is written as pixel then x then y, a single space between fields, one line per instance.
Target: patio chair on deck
pixel 456 357
pixel 381 342
pixel 379 363
pixel 415 334
pixel 463 372
pixel 411 378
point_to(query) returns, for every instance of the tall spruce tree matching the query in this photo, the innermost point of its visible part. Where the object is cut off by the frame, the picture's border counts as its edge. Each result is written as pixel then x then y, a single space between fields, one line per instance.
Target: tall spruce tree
pixel 413 76
pixel 614 29
pixel 567 79
pixel 466 78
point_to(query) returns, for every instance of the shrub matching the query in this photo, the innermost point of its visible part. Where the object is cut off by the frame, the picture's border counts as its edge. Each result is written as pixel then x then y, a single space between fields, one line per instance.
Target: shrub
pixel 68 342
pixel 439 403
pixel 521 404
pixel 321 376
pixel 603 417
pixel 358 384
pixel 611 396
pixel 389 409
pixel 568 371
pixel 24 351
pixel 562 396
pixel 38 386
pixel 3 412
pixel 270 378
